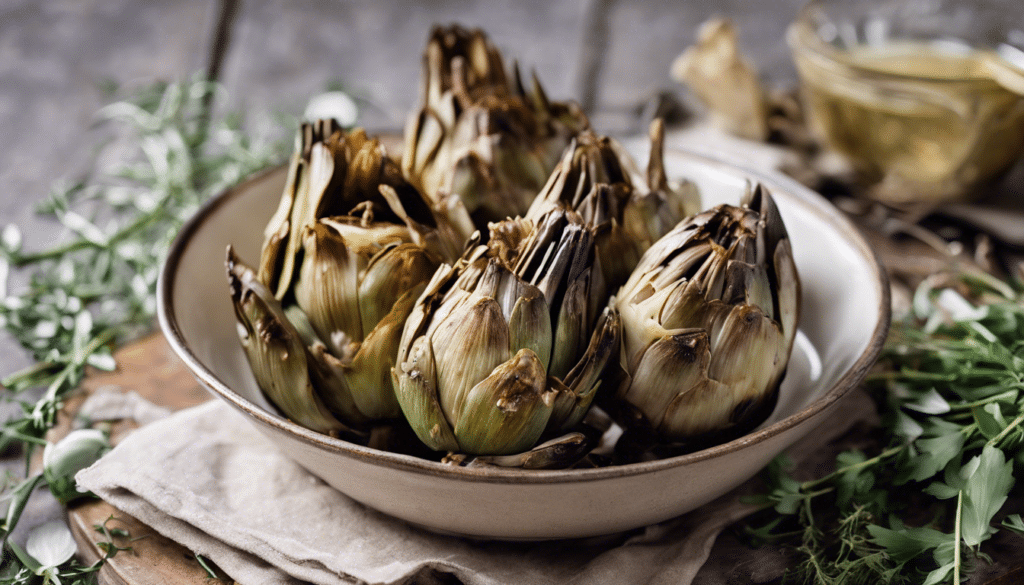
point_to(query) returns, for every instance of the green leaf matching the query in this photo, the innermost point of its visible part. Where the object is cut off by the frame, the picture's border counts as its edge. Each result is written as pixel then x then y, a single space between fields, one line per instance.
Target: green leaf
pixel 929 403
pixel 907 427
pixel 102 361
pixel 986 488
pixel 10 239
pixel 904 544
pixel 990 419
pixel 945 552
pixel 935 455
pixel 939 575
pixel 941 491
pixel 854 483
pixel 62 460
pixel 788 503
pixel 25 558
pixel 1014 523
pixel 953 480
pixel 19 498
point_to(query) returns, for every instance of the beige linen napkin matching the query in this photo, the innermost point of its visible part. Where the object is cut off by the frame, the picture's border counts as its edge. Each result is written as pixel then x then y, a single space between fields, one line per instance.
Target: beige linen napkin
pixel 207 479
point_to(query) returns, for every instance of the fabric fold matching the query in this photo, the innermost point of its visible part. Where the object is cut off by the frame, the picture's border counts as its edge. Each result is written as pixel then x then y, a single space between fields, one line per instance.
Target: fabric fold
pixel 206 478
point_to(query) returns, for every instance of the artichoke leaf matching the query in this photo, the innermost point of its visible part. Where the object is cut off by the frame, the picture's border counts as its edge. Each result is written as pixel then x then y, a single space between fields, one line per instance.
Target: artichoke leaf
pixel 586 376
pixel 571 327
pixel 471 179
pixel 446 236
pixel 686 307
pixel 390 273
pixel 420 318
pixel 566 405
pixel 369 372
pixel 641 318
pixel 706 409
pixel 423 136
pixel 529 326
pixel 415 381
pixel 313 183
pixel 468 345
pixel 746 350
pixel 557 453
pixel 789 293
pixel 508 410
pixel 275 350
pixel 671 365
pixel 275 235
pixel 328 375
pixel 328 285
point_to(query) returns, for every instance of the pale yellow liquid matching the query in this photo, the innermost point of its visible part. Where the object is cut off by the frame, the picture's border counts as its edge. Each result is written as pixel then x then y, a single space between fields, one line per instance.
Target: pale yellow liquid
pixel 926 121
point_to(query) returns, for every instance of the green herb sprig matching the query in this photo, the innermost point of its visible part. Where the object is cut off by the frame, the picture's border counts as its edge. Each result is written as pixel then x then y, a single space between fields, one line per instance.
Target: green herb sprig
pixel 96 290
pixel 918 505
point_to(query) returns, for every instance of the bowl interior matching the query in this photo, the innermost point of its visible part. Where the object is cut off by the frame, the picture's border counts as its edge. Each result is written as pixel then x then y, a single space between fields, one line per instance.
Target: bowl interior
pixel 844 304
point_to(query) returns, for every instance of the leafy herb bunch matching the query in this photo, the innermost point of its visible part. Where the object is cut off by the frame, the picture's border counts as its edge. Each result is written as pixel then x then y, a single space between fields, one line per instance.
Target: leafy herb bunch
pixel 918 502
pixel 77 301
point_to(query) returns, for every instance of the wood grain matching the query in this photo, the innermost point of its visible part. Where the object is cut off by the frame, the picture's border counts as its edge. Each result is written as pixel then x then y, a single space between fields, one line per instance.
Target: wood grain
pixel 150 368
pixel 152 560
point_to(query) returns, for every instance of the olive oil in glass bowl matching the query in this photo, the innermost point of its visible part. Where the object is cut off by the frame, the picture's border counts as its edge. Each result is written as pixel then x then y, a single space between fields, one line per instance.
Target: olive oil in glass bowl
pixel 925 98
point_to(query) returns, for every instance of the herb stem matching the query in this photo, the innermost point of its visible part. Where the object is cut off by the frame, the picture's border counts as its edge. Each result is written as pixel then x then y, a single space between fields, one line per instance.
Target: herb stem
pixel 22 260
pixel 102 338
pixel 1010 394
pixel 141 222
pixel 1002 434
pixel 28 373
pixel 210 573
pixel 96 287
pixel 956 537
pixel 23 437
pixel 807 485
pixel 907 374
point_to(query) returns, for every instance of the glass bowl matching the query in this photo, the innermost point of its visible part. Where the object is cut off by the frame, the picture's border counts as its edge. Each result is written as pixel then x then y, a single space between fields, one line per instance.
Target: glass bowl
pixel 924 97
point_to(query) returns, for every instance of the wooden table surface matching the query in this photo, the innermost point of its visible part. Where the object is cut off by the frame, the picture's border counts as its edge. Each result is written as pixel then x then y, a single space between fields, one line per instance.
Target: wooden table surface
pixel 149 368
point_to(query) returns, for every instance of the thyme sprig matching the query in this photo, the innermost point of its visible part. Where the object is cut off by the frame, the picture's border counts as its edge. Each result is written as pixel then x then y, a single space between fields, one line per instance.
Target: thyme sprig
pixel 95 290
pixel 918 506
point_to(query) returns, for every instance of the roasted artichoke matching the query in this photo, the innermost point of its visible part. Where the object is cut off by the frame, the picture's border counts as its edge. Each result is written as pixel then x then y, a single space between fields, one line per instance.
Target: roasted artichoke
pixel 501 349
pixel 349 250
pixel 598 179
pixel 336 173
pixel 479 144
pixel 468 287
pixel 708 322
pixel 295 379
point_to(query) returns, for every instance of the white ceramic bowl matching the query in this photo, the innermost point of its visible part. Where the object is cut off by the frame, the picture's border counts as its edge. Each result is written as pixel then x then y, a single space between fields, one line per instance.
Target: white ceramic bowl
pixel 844 320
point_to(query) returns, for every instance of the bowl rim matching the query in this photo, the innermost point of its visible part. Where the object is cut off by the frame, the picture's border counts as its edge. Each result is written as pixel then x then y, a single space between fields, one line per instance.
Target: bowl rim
pixel 774 181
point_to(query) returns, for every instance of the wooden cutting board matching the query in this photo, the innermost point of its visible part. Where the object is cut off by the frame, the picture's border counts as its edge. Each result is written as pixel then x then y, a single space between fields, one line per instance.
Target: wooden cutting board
pixel 150 368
